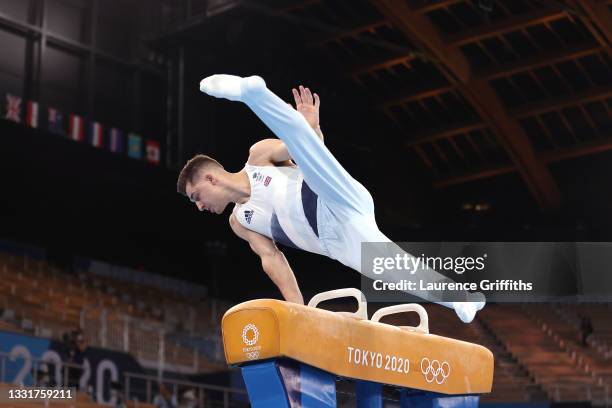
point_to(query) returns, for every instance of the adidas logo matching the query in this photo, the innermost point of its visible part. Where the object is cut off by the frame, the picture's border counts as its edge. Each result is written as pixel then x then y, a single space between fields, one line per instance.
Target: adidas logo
pixel 248 214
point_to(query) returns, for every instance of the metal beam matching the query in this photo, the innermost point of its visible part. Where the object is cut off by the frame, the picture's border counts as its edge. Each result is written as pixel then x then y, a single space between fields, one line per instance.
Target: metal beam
pixel 419 29
pixel 474 176
pixel 425 6
pixel 384 64
pixel 525 64
pixel 31 77
pixel 578 151
pixel 42 46
pixel 313 24
pixel 541 60
pixel 598 19
pixel 546 157
pixel 445 133
pixel 349 32
pixel 48 37
pixel 428 93
pixel 537 108
pixel 509 24
pixel 534 109
pixel 91 61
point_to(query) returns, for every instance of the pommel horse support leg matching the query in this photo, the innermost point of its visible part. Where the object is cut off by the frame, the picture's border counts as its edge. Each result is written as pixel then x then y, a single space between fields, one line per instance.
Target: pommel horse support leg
pixel 291 355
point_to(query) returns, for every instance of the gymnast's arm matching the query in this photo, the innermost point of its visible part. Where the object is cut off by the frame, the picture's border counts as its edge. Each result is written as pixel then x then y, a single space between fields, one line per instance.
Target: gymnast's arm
pixel 270 151
pixel 273 261
pixel 309 105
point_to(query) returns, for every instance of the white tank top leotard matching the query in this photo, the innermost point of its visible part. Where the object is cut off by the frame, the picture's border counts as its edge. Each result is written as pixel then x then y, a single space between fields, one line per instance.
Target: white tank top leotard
pixel 282 207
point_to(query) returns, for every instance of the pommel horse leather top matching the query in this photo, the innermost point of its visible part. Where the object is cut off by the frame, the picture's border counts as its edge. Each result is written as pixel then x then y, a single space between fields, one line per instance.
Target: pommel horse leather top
pixel 349 345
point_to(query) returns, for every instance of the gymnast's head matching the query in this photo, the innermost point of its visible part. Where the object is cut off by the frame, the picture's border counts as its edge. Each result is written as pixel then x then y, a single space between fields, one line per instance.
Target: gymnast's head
pixel 203 181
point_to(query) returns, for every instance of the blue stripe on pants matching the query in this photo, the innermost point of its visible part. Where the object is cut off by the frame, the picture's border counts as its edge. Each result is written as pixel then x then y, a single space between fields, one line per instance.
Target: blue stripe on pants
pixel 309 204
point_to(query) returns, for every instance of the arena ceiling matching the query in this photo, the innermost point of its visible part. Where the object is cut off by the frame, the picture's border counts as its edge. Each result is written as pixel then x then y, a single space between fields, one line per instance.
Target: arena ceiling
pixel 492 86
pixel 471 89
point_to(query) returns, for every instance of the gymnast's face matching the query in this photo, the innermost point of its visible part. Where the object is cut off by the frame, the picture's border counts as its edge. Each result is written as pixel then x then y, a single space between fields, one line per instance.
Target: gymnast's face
pixel 206 193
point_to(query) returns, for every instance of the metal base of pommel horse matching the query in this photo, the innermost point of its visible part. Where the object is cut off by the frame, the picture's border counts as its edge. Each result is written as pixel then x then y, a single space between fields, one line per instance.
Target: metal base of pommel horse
pixel 291 356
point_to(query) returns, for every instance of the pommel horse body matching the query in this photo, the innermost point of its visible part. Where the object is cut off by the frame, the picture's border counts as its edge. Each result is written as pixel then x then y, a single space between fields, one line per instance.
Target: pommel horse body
pixel 290 356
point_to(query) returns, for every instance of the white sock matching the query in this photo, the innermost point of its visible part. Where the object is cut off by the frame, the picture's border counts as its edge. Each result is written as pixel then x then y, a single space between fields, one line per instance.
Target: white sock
pixel 231 87
pixel 467 310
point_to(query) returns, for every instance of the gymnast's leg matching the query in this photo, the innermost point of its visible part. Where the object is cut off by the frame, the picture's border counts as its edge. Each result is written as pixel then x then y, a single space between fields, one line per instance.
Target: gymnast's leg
pixel 322 172
pixel 348 250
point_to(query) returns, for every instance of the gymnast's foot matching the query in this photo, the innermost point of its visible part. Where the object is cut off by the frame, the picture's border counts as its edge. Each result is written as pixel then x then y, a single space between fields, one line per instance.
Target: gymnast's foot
pixel 467 310
pixel 231 87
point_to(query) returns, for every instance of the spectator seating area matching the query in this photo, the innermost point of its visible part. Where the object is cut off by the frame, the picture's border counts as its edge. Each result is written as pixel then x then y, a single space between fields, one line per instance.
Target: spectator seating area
pixel 537 347
pixel 39 299
pixel 556 370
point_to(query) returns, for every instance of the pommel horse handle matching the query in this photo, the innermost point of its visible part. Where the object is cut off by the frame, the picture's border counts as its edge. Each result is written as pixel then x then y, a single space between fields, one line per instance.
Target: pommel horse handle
pixel 423 326
pixel 362 310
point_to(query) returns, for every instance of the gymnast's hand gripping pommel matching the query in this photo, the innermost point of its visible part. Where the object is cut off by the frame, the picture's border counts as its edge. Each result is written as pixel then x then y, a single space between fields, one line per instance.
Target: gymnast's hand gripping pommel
pixel 344 208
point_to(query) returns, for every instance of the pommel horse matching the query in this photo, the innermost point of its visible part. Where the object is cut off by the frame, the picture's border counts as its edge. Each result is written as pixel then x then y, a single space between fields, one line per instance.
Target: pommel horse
pixel 290 356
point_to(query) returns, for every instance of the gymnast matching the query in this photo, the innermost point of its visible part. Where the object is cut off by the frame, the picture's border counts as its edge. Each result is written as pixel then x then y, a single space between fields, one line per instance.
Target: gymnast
pixel 292 190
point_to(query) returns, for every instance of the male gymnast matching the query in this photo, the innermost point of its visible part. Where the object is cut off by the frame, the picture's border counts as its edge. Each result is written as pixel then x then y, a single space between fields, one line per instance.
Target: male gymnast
pixel 315 205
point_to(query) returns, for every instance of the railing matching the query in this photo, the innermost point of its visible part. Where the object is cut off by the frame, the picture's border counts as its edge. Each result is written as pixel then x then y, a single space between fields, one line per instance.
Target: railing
pixel 146 340
pixel 143 387
pixel 134 276
pixel 30 371
pixel 136 387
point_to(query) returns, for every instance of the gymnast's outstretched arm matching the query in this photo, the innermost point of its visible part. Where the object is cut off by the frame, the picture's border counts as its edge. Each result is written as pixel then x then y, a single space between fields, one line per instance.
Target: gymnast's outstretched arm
pixel 309 105
pixel 273 261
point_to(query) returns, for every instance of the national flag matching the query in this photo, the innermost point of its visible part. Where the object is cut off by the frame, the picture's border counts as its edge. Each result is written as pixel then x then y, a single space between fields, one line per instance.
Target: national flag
pixel 13 108
pixel 56 122
pixel 76 128
pixel 117 142
pixel 134 146
pixel 153 151
pixel 96 134
pixel 32 114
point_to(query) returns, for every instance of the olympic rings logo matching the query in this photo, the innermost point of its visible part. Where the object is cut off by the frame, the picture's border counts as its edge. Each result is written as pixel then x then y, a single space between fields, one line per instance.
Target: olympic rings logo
pixel 245 338
pixel 434 370
pixel 253 355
